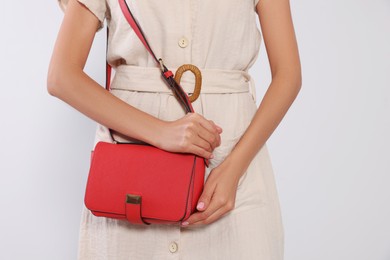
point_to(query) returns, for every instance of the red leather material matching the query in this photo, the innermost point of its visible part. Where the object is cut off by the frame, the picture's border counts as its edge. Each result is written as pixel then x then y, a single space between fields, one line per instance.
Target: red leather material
pixel 169 194
pixel 108 76
pixel 168 74
pixel 133 213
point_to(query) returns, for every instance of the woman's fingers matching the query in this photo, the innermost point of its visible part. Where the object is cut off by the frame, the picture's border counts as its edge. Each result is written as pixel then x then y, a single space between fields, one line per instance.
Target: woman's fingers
pixel 218 196
pixel 213 139
pixel 211 216
pixel 203 144
pixel 201 152
pixel 191 134
pixel 216 126
pixel 208 131
pixel 218 206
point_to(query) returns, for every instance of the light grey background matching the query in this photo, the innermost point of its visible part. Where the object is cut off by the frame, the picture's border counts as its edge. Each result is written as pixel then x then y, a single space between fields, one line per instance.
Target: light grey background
pixel 330 153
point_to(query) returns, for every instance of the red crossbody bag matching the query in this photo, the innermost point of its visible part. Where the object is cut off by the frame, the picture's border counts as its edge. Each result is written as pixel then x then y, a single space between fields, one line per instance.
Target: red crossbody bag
pixel 141 183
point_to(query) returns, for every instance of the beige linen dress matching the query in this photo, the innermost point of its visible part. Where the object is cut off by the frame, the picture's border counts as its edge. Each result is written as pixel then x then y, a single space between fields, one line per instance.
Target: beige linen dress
pixel 222 39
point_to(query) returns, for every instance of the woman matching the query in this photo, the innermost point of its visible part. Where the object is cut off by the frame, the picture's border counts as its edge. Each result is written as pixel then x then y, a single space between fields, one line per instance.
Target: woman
pixel 238 212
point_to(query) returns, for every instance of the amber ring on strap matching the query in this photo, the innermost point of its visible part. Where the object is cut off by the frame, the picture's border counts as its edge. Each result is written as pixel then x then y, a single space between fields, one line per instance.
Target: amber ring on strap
pixel 198 79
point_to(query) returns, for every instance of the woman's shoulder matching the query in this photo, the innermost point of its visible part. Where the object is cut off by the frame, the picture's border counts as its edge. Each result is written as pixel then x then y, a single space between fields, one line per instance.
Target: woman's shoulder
pixel 100 8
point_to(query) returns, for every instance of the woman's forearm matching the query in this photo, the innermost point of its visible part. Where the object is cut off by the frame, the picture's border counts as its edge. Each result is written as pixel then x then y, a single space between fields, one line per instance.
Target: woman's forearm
pixel 275 104
pixel 66 80
pixel 77 89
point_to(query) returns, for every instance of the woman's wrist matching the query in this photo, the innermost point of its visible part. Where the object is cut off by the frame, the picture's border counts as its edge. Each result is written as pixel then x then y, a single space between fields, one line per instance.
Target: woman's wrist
pixel 153 135
pixel 235 164
pixel 241 156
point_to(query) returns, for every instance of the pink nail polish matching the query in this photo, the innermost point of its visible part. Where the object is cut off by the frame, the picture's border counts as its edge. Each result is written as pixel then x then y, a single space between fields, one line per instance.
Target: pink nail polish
pixel 200 205
pixel 185 223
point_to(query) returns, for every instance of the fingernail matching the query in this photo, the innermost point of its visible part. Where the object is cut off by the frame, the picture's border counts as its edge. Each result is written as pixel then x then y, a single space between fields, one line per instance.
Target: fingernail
pixel 185 223
pixel 200 205
pixel 211 156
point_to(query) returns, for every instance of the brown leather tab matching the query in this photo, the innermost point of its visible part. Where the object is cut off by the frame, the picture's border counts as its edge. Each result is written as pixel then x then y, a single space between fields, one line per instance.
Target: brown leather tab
pixel 133 209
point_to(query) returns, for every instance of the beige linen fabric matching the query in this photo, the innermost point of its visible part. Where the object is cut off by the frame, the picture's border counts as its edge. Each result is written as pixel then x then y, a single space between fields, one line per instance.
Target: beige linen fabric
pixel 223 41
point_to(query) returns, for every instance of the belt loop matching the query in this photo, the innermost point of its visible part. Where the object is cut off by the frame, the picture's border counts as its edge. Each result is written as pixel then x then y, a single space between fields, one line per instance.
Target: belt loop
pixel 252 88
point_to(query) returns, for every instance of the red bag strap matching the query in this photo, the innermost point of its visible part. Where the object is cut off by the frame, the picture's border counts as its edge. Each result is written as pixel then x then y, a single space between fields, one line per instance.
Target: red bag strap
pixel 180 94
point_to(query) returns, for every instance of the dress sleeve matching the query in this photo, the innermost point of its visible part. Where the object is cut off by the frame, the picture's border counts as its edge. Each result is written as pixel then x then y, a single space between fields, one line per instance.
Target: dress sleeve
pixel 97 7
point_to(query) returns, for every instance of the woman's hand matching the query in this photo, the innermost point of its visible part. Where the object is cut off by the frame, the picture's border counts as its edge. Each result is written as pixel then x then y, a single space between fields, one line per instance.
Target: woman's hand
pixel 190 134
pixel 218 197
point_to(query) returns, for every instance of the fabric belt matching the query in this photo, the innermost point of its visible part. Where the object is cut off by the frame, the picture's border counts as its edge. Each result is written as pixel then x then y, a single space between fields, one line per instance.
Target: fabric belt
pixel 149 79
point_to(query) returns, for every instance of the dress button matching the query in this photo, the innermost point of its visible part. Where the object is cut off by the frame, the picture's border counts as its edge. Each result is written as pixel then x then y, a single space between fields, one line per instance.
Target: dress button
pixel 173 247
pixel 183 42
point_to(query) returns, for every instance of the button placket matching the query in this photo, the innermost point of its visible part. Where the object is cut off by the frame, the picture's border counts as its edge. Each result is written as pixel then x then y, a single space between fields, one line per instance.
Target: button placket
pixel 173 247
pixel 172 242
pixel 183 42
pixel 184 38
